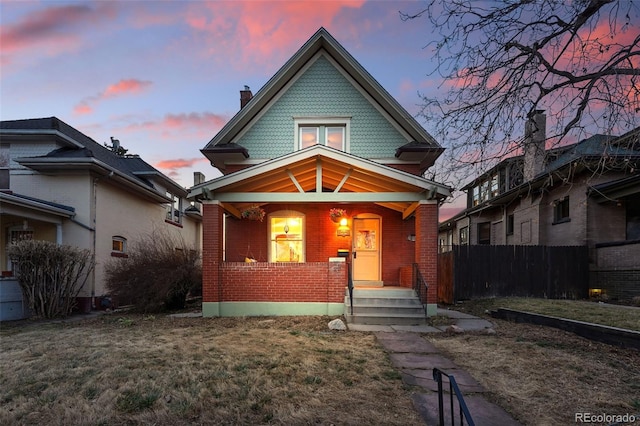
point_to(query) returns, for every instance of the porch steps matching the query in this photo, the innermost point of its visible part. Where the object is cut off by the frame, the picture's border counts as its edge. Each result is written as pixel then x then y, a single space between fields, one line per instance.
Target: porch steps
pixel 384 306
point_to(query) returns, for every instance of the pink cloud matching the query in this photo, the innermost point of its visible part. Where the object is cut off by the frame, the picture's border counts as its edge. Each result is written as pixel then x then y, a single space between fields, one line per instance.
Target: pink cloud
pixel 131 85
pixel 266 32
pixel 122 87
pixel 194 119
pixel 54 29
pixel 178 163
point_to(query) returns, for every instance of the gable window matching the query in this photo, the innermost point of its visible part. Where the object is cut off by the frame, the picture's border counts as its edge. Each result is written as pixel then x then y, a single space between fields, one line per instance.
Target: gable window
pixel 484 233
pixel 118 246
pixel 561 210
pixel 174 208
pixel 286 237
pixel 331 132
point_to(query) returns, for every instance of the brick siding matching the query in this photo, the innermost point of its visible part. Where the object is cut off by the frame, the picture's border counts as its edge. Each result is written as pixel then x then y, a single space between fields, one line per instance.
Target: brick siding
pixel 283 282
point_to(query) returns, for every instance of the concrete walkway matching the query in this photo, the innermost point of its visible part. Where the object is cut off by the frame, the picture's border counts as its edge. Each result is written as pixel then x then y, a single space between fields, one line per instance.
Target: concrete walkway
pixel 415 358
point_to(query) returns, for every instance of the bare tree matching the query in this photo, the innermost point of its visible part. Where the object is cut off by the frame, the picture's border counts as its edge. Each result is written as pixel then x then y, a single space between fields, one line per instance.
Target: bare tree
pixel 500 61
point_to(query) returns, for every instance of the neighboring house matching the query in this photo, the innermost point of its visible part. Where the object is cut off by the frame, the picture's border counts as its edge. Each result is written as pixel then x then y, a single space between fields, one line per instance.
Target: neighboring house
pixel 584 194
pixel 59 185
pixel 322 134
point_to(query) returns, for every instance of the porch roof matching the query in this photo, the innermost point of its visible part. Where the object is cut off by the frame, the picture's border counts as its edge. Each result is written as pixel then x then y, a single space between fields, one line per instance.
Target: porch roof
pixel 320 174
pixel 34 208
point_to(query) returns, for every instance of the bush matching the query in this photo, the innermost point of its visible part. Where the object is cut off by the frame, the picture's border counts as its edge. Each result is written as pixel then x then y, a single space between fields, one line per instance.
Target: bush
pixel 157 275
pixel 50 275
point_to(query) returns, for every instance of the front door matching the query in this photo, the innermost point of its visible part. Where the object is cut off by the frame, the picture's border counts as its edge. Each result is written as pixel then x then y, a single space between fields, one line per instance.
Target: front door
pixel 366 249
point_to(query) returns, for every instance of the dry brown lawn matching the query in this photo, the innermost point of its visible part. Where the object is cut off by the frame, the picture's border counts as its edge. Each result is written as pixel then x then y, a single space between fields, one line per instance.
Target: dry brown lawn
pixel 131 369
pixel 128 369
pixel 543 376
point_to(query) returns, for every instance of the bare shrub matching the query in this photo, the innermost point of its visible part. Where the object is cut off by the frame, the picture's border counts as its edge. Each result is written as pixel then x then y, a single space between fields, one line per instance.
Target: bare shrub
pixel 50 275
pixel 157 275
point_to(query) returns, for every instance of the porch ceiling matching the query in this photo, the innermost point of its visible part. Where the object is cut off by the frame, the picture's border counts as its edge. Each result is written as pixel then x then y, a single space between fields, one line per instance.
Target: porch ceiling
pixel 321 174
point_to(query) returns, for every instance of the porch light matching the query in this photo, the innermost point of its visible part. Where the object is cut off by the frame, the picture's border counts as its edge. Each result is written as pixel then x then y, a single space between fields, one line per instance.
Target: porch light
pixel 595 292
pixel 343 229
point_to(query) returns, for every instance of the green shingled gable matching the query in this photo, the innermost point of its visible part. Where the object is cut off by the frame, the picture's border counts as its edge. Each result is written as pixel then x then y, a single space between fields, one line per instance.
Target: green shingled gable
pixel 322 90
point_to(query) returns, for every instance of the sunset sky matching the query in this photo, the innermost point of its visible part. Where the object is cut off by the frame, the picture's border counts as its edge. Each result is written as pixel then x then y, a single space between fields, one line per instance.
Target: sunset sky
pixel 164 76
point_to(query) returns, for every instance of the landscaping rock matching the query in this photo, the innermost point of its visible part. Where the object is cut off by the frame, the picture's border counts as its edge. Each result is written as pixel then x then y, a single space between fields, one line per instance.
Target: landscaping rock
pixel 454 329
pixel 337 324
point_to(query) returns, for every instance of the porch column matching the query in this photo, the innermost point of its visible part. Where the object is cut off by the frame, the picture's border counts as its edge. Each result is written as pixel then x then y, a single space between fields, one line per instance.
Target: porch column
pixel 212 219
pixel 59 234
pixel 426 249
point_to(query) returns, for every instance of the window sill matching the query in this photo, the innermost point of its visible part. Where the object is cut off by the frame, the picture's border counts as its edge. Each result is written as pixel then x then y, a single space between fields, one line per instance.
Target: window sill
pixel 119 254
pixel 564 220
pixel 170 222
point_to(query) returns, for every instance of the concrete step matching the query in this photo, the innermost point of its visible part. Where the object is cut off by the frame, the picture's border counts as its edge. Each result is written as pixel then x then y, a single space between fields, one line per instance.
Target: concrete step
pixel 382 301
pixel 395 310
pixel 384 306
pixel 382 292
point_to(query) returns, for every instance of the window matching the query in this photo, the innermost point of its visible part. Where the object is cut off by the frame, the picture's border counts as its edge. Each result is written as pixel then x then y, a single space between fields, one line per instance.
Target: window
pixel 484 233
pixel 633 217
pixel 286 237
pixel 494 185
pixel 510 224
pixel 174 208
pixel 118 246
pixel 329 131
pixel 332 136
pixel 464 236
pixel 561 210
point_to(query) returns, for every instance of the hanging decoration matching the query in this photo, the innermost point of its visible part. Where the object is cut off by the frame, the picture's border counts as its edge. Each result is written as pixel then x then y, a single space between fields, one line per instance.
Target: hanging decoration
pixel 336 214
pixel 253 213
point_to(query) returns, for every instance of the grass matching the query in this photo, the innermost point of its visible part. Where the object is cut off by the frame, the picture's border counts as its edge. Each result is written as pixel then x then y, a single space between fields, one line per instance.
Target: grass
pixel 543 376
pixel 593 312
pixel 131 369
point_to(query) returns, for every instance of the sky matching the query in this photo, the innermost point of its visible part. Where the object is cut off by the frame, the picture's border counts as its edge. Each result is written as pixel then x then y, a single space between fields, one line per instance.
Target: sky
pixel 163 77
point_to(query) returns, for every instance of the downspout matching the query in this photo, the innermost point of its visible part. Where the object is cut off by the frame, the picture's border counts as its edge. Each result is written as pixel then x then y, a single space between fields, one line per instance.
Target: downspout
pixel 94 214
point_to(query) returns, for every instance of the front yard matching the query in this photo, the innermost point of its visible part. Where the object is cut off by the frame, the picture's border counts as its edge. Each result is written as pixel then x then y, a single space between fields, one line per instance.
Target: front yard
pixel 132 369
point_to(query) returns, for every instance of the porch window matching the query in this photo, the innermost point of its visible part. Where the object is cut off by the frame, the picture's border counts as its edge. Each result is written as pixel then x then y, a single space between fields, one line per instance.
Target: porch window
pixel 329 131
pixel 286 237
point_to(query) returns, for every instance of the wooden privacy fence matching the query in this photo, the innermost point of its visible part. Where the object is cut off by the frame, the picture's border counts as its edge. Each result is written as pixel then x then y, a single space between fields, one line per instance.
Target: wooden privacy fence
pixel 470 272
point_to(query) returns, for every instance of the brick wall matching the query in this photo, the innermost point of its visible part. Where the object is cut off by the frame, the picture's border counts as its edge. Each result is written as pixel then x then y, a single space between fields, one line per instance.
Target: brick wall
pixel 245 237
pixel 283 282
pixel 426 247
pixel 617 270
pixel 211 251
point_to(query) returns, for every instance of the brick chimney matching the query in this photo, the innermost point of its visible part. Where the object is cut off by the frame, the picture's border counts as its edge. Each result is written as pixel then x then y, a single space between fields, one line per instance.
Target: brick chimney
pixel 245 96
pixel 198 178
pixel 535 135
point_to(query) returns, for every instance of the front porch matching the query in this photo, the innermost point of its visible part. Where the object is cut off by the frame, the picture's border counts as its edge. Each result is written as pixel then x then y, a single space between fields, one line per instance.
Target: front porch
pixel 279 215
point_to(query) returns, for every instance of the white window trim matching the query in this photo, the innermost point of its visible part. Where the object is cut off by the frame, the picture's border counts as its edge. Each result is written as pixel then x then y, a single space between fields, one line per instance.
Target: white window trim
pixel 285 214
pixel 326 121
pixel 123 240
pixel 170 208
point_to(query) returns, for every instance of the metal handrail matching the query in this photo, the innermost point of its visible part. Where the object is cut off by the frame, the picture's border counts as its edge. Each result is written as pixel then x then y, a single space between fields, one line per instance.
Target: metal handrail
pixel 420 287
pixel 453 388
